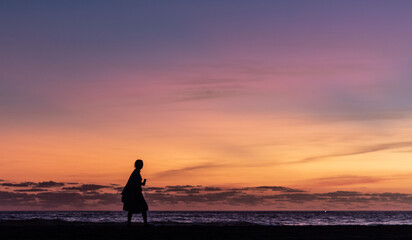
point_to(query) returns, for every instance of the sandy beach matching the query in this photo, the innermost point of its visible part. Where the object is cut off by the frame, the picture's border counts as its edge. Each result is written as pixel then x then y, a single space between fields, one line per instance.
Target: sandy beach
pixel 41 229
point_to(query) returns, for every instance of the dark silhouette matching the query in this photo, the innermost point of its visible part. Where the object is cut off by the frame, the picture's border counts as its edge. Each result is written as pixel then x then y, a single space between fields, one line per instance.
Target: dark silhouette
pixel 132 197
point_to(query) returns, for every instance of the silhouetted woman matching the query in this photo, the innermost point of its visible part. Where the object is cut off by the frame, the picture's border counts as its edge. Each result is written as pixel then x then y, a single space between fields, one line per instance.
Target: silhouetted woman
pixel 133 200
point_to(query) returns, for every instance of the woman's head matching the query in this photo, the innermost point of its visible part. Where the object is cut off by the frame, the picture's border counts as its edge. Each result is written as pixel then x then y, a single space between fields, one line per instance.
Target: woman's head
pixel 138 164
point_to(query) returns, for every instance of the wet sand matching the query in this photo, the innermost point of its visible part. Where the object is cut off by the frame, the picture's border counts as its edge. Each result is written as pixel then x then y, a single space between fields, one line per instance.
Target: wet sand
pixel 41 229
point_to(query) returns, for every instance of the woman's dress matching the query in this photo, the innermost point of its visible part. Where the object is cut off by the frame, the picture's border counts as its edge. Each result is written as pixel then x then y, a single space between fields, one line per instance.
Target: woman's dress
pixel 132 197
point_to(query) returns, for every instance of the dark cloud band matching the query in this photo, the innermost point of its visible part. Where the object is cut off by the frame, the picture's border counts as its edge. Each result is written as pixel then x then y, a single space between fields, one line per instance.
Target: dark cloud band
pixel 57 195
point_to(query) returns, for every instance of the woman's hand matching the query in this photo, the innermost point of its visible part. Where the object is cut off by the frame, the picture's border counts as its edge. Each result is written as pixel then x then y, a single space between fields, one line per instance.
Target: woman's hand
pixel 144 182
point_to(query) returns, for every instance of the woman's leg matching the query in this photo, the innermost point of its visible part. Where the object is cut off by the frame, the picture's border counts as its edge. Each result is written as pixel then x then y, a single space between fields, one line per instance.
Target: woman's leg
pixel 129 218
pixel 144 215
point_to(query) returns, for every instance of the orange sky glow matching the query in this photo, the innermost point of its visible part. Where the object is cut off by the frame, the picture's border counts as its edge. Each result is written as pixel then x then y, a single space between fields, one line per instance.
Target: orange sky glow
pixel 317 106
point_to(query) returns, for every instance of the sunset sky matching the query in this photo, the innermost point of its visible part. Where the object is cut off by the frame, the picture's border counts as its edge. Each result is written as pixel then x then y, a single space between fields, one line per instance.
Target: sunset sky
pixel 260 105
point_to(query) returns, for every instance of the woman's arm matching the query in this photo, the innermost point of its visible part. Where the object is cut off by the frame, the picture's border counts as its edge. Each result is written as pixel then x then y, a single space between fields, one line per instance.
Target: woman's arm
pixel 144 182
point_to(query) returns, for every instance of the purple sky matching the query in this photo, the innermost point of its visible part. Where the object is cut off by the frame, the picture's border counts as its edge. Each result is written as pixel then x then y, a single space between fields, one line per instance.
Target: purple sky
pixel 286 93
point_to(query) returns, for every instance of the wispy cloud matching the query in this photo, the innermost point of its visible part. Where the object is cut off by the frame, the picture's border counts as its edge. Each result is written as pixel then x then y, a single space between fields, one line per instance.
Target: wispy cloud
pixel 360 150
pixel 31 190
pixel 190 168
pixel 207 92
pixel 47 184
pixel 271 188
pixel 347 180
pixel 183 189
pixel 22 184
pixel 86 187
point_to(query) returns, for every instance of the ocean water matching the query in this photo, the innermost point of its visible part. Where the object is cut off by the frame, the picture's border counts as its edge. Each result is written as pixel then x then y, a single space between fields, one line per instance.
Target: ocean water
pixel 226 218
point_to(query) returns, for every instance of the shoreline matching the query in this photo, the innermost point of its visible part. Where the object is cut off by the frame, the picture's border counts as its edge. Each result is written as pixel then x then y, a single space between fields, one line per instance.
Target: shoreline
pixel 58 222
pixel 50 229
